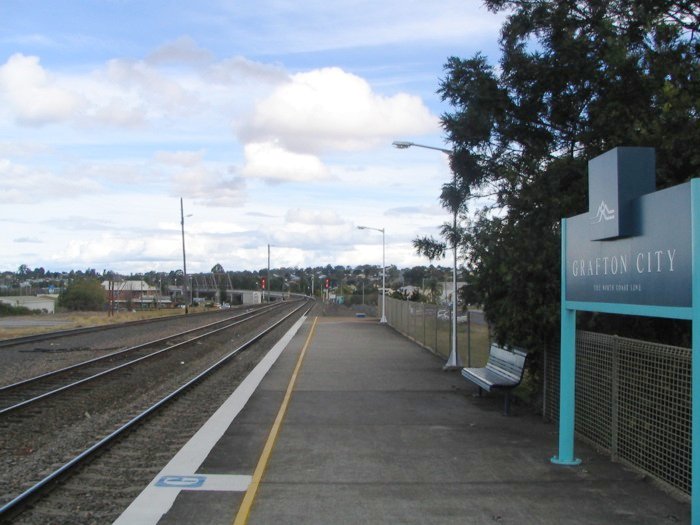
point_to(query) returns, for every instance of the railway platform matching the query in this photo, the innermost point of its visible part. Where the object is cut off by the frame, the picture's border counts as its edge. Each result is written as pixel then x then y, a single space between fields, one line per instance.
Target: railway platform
pixel 348 422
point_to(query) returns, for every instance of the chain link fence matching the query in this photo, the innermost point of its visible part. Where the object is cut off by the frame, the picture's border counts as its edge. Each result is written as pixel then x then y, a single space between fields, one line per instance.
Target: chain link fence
pixel 431 326
pixel 633 401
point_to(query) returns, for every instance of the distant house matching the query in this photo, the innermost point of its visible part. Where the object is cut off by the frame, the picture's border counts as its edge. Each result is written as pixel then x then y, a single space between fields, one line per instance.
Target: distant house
pixel 136 294
pixel 40 303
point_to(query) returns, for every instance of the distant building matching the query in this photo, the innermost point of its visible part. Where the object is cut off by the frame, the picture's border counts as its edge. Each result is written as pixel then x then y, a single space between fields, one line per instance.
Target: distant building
pixel 40 303
pixel 251 297
pixel 136 294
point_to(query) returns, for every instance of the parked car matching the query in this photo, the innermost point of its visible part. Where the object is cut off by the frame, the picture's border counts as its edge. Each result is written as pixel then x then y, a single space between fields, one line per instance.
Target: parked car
pixel 443 315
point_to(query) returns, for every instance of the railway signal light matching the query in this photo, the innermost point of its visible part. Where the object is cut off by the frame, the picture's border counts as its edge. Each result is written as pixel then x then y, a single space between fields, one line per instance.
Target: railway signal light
pixel 262 283
pixel 328 283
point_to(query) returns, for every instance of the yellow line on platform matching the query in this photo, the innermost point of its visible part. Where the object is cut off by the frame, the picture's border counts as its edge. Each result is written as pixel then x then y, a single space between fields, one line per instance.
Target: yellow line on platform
pixel 249 498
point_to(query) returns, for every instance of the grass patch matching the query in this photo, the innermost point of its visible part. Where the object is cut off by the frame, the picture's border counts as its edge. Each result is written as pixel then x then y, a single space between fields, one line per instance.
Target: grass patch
pixel 66 321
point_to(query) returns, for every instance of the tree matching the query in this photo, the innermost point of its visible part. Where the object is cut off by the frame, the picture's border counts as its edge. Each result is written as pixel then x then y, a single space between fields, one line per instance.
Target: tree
pixel 575 79
pixel 83 294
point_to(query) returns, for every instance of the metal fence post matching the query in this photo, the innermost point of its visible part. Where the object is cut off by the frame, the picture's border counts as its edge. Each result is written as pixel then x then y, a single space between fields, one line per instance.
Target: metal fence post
pixel 436 331
pixel 469 338
pixel 424 341
pixel 615 397
pixel 545 383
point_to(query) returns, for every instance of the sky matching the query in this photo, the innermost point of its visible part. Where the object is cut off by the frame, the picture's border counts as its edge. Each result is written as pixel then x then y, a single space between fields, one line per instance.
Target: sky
pixel 272 120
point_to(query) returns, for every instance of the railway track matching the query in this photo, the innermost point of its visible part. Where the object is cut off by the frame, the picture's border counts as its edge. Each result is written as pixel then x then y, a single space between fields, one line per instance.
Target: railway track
pixel 46 440
pixel 26 392
pixel 47 352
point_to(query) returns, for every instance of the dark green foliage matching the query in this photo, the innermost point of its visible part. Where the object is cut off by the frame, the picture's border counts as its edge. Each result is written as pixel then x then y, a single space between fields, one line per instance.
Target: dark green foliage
pixel 8 310
pixel 83 294
pixel 575 79
pixel 430 248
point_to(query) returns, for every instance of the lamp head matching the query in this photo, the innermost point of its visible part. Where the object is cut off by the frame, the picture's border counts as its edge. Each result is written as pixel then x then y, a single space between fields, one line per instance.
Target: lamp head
pixel 402 144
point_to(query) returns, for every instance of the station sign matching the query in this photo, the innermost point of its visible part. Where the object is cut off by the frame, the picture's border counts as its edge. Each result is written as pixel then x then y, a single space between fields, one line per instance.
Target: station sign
pixel 634 244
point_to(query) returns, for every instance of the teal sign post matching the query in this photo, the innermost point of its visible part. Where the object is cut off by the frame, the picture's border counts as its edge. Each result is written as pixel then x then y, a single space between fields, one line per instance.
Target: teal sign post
pixel 636 252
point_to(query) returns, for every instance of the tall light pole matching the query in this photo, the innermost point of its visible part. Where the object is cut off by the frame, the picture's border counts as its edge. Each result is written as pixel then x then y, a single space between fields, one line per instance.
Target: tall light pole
pixel 453 361
pixel 383 319
pixel 184 260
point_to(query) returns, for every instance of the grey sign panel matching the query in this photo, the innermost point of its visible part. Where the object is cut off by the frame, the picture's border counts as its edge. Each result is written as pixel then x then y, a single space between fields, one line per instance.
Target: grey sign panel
pixel 652 267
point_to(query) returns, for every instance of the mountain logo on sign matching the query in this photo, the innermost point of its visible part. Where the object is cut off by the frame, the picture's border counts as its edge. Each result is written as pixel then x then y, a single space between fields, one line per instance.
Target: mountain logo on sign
pixel 603 214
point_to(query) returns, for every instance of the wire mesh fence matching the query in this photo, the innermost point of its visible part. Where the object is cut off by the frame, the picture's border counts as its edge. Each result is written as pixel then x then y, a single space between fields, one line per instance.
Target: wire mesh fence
pixel 431 326
pixel 633 400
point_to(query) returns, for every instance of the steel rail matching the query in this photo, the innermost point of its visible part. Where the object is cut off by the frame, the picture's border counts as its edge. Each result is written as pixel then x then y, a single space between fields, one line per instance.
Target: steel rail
pixel 73 463
pixel 27 381
pixel 103 373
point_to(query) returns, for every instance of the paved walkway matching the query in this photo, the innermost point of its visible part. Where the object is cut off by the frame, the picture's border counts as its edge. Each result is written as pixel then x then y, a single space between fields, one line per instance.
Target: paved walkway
pixel 375 432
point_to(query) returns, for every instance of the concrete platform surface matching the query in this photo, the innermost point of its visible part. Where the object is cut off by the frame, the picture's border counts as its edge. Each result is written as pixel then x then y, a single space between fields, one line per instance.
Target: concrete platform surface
pixel 376 432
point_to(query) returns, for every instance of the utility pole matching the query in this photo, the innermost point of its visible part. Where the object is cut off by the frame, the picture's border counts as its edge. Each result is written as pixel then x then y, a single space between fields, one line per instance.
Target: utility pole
pixel 184 260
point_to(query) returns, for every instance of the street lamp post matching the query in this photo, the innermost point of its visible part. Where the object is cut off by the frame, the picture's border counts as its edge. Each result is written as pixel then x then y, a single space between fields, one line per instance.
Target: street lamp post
pixel 383 319
pixel 453 361
pixel 402 144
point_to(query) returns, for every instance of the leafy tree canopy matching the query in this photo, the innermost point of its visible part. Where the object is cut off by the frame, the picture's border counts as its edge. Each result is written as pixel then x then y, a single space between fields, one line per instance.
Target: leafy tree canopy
pixel 574 79
pixel 83 294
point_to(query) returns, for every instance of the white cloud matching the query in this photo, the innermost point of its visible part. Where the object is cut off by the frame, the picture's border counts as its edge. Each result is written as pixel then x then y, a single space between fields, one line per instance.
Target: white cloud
pixel 147 87
pixel 109 247
pixel 134 135
pixel 133 94
pixel 22 149
pixel 25 185
pixel 27 240
pixel 329 109
pixel 183 50
pixel 237 70
pixel 269 161
pixel 210 186
pixel 119 112
pixel 180 158
pixel 316 218
pixel 34 96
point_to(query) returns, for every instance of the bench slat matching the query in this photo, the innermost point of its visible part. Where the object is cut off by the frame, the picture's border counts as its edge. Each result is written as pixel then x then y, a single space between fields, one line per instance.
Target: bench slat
pixel 487 379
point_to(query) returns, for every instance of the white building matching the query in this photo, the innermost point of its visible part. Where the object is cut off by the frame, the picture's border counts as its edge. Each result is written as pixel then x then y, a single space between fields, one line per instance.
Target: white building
pixel 250 297
pixel 41 303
